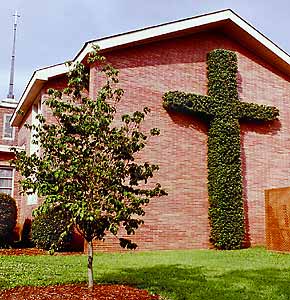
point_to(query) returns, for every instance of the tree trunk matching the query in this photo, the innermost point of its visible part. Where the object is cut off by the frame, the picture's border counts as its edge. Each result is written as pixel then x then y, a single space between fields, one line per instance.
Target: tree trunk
pixel 90 265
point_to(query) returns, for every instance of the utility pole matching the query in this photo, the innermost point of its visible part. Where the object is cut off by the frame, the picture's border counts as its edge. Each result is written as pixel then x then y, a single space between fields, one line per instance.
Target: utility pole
pixel 11 83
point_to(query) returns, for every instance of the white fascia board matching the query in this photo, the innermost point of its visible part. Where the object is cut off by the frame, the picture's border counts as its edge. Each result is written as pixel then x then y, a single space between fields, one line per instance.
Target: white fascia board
pixel 145 34
pixel 111 42
pixel 8 104
pixel 156 31
pixel 258 36
pixel 36 83
pixel 52 71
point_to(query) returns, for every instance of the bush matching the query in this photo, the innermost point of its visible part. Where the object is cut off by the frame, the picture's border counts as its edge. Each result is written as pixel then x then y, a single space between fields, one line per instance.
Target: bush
pixel 47 229
pixel 8 217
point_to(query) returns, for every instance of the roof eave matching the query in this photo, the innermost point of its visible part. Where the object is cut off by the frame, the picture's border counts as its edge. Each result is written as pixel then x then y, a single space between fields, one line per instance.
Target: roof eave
pixel 147 34
pixel 39 77
pixel 267 47
pixel 33 89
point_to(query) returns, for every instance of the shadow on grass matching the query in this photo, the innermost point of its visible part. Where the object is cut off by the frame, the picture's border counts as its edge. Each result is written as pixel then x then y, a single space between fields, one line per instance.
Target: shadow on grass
pixel 177 282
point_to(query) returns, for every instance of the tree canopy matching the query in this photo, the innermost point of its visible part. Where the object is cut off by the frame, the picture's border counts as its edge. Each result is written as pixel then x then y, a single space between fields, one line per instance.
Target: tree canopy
pixel 86 165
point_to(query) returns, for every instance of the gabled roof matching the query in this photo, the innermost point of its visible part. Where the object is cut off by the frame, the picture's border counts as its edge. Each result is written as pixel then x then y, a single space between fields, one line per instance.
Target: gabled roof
pixel 226 20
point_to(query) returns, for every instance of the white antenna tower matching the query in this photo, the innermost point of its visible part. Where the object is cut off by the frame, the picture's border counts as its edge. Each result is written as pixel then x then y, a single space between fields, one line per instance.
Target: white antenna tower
pixel 11 83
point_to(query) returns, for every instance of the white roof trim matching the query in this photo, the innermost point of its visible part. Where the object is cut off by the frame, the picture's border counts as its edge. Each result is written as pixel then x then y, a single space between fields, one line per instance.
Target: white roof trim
pixel 259 37
pixel 147 33
pixel 39 76
pixel 8 103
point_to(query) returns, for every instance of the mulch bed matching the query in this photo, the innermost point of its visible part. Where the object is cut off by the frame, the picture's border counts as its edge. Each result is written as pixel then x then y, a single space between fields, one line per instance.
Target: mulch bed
pixel 33 251
pixel 26 251
pixel 76 292
pixel 70 291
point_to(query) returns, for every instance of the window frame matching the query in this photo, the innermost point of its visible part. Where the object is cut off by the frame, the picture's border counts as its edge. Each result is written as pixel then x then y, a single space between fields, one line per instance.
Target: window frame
pixel 12 181
pixel 13 129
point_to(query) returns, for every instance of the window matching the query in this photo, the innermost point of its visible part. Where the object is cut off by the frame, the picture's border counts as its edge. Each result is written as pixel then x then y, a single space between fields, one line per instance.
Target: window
pixel 8 131
pixel 6 180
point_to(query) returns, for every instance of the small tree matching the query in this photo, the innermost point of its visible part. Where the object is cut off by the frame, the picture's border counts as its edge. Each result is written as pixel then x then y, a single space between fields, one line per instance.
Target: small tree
pixel 87 165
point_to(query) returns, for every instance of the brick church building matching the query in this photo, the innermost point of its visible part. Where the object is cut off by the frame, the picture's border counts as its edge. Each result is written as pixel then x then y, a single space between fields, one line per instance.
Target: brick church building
pixel 171 57
pixel 8 138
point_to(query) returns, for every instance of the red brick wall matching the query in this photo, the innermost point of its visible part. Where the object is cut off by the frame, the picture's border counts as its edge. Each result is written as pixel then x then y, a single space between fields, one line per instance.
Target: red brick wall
pixel 5 157
pixel 180 220
pixel 25 210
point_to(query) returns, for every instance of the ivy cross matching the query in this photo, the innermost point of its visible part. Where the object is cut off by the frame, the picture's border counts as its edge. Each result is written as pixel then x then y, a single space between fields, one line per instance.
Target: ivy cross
pixel 223 111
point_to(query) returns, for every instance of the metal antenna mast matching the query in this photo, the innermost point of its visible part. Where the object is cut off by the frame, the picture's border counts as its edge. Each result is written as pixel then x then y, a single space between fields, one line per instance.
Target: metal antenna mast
pixel 11 83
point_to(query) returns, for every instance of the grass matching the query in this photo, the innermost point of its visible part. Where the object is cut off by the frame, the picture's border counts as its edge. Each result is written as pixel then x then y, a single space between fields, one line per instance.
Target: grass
pixel 197 274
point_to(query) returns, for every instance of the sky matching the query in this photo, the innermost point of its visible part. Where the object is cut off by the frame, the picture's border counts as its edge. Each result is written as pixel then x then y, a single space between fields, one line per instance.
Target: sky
pixel 53 31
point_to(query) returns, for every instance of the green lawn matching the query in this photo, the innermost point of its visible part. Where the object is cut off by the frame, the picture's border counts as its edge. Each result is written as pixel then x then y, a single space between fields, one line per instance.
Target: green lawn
pixel 199 274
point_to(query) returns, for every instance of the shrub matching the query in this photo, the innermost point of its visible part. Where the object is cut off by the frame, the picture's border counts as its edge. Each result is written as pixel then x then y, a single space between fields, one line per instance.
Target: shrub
pixel 47 229
pixel 8 217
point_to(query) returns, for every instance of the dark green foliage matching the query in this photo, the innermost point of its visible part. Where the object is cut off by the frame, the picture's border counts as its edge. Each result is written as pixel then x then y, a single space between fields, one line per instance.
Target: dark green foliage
pixel 222 109
pixel 186 103
pixel 48 227
pixel 225 184
pixel 8 217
